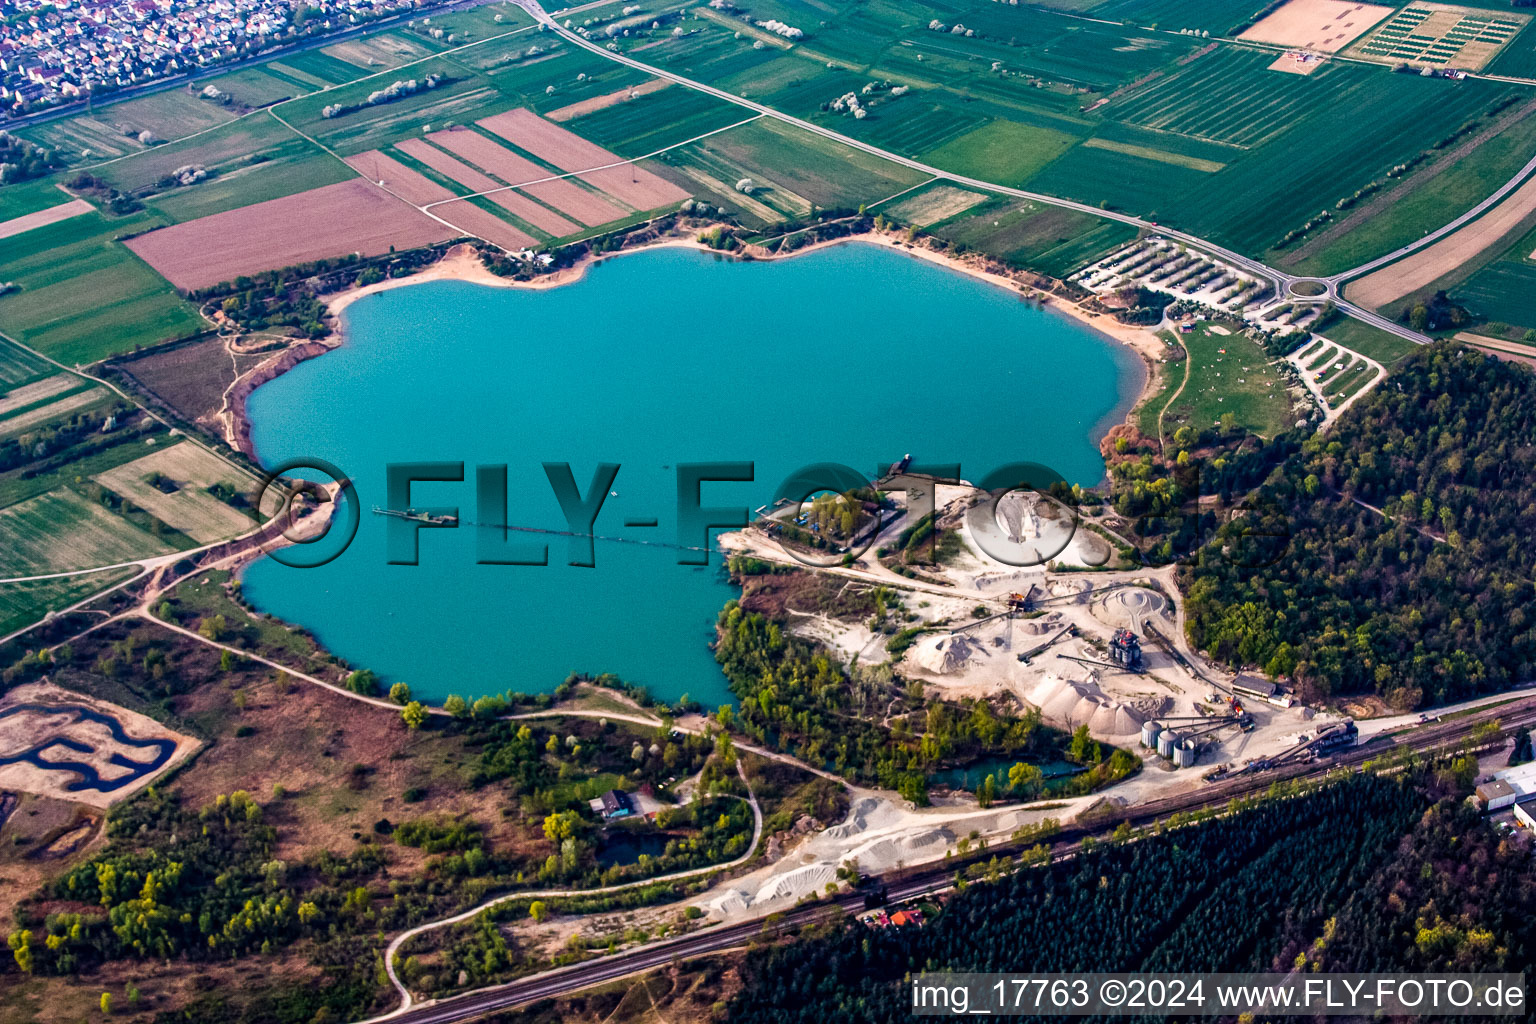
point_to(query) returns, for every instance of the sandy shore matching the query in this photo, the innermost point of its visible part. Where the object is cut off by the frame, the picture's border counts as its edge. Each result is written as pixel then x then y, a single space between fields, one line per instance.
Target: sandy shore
pixel 462 263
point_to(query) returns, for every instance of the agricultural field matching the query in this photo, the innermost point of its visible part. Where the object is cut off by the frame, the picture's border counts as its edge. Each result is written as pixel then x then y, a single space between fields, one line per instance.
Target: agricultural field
pixel 1518 59
pixel 380 52
pixel 451 153
pixel 116 130
pixel 1049 239
pixel 22 604
pixel 83 295
pixel 174 484
pixel 525 210
pixel 548 142
pixel 1432 265
pixel 1458 178
pixel 654 120
pixel 792 171
pixel 1442 36
pixel 1226 373
pixel 293 167
pixel 42 218
pixel 17 423
pixel 353 216
pixel 24 197
pixel 419 190
pixel 1319 26
pixel 62 530
pixel 1504 291
pixel 516 72
pixel 18 367
pixel 1218 17
pixel 228 146
pixel 931 205
pixel 1005 152
pixel 20 399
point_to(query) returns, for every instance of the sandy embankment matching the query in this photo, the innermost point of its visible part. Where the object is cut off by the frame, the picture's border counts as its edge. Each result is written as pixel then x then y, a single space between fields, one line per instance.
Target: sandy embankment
pixel 461 264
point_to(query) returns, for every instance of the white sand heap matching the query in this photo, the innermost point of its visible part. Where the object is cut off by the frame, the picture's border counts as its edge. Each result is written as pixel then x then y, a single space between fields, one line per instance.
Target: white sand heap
pixel 810 880
pixel 1073 704
pixel 1130 607
pixel 945 654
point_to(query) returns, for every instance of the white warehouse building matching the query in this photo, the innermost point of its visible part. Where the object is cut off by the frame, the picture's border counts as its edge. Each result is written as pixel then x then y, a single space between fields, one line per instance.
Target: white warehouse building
pixel 1510 786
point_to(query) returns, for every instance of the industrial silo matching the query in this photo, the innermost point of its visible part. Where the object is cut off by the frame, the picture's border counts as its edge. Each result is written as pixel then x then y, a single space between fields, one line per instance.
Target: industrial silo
pixel 1185 754
pixel 1165 743
pixel 1149 731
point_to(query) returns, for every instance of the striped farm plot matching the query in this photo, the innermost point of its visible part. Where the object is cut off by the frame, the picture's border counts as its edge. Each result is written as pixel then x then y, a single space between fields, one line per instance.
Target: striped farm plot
pixel 18 366
pixel 172 485
pixel 42 218
pixel 61 530
pixel 564 194
pixel 419 190
pixel 627 182
pixel 1229 96
pixel 22 422
pixel 540 218
pixel 17 399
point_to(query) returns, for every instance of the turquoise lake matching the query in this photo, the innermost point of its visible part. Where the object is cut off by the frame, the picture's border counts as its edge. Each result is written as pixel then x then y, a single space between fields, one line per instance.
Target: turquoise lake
pixel 854 354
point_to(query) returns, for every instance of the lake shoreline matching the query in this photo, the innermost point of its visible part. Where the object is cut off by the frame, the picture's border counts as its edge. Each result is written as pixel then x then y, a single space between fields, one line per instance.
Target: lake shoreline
pixel 1065 381
pixel 462 263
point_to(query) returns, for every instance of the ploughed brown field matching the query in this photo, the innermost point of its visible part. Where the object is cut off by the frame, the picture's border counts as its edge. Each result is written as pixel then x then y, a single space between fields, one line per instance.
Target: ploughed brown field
pixel 564 195
pixel 518 205
pixel 570 152
pixel 350 216
pixel 417 188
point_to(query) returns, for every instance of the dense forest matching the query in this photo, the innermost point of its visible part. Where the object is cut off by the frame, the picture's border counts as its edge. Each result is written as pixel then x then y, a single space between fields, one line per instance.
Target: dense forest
pixel 1249 891
pixel 872 729
pixel 1392 554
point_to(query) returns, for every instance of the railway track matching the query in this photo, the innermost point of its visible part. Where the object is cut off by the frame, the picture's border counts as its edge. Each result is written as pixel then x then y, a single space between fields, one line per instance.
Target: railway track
pixel 913 883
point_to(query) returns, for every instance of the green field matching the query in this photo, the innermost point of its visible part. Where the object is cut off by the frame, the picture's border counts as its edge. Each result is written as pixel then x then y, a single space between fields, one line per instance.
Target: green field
pixel 804 170
pixel 656 120
pixel 1419 203
pixel 28 197
pixel 1218 17
pixel 61 530
pixel 1049 239
pixel 19 367
pixel 22 604
pixel 1227 374
pixel 1004 152
pixel 1382 346
pixel 111 131
pixel 85 296
pixel 1504 291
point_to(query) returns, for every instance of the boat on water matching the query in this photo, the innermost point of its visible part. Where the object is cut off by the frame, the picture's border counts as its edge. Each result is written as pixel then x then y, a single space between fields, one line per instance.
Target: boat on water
pixel 417 516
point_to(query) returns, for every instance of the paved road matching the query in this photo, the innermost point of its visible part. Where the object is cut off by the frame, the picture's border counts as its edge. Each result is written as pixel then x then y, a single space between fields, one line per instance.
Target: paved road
pixel 915 883
pixel 1434 236
pixel 1277 279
